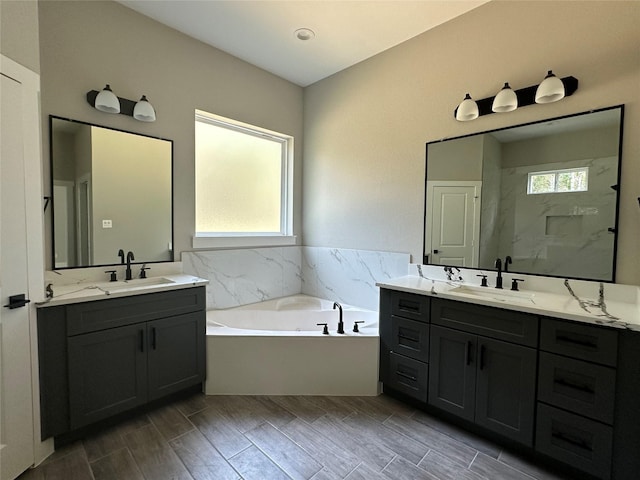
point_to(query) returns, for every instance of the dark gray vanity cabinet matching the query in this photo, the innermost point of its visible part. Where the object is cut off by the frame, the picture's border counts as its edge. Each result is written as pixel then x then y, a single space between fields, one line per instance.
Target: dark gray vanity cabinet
pixel 484 380
pixel 576 394
pixel 103 357
pixel 566 391
pixel 404 342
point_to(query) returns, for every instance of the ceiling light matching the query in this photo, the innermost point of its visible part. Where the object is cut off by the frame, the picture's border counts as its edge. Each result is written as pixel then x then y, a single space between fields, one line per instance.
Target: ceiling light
pixel 505 101
pixel 304 34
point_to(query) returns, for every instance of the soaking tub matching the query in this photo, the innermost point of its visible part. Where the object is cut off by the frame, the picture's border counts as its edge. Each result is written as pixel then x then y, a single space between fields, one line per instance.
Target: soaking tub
pixel 276 348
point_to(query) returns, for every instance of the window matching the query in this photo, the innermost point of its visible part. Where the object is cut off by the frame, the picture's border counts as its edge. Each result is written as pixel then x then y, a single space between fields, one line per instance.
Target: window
pixel 559 181
pixel 243 184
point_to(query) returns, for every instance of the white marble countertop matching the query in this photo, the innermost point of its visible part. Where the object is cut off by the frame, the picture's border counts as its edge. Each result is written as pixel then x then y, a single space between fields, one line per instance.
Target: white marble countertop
pixel 621 301
pixel 88 291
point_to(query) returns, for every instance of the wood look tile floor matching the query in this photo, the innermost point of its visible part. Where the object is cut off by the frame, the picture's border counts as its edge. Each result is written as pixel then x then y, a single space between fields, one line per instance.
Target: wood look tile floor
pixel 295 437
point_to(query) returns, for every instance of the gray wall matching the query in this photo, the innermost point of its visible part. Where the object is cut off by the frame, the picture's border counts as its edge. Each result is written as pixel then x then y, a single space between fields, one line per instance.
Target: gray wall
pixel 366 127
pixel 19 32
pixel 137 56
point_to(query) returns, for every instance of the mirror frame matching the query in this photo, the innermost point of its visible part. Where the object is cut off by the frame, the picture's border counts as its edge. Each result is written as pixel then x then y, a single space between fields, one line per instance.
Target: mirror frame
pixel 52 199
pixel 616 226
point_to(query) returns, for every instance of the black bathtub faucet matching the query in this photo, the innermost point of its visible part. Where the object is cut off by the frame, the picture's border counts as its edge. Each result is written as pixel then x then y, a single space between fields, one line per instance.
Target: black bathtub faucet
pixel 340 322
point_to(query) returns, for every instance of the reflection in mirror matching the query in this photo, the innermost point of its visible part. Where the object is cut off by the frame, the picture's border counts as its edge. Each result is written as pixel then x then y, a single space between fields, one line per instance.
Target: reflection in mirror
pixel 111 190
pixel 545 194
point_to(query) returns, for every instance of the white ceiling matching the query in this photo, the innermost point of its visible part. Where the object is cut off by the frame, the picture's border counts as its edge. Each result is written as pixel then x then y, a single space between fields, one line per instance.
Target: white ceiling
pixel 262 32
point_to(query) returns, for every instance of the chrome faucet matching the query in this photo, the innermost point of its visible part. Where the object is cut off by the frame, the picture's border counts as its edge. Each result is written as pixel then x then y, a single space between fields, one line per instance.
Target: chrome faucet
pixel 499 277
pixel 127 275
pixel 340 322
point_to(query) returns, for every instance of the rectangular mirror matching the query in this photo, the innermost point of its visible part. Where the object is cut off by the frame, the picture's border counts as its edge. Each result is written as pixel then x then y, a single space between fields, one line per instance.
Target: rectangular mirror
pixel 546 194
pixel 111 190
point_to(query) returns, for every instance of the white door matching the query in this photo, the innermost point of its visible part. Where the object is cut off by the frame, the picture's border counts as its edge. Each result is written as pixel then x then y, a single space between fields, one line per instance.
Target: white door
pixel 453 223
pixel 16 407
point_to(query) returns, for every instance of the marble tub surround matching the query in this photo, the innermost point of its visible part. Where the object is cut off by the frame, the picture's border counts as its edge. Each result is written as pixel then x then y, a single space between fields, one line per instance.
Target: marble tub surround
pixel 87 290
pixel 349 276
pixel 244 276
pixel 546 296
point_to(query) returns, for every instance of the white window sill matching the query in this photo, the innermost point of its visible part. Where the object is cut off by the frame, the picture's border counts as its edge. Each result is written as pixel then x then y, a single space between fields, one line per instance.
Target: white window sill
pixel 244 241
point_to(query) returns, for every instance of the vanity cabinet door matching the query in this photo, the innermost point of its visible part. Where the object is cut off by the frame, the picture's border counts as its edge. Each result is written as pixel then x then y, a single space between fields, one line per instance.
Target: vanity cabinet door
pixel 452 372
pixel 176 347
pixel 107 373
pixel 506 387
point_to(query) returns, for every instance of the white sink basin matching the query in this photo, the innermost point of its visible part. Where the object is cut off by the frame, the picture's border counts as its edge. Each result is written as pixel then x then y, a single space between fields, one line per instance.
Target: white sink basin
pixel 495 294
pixel 135 284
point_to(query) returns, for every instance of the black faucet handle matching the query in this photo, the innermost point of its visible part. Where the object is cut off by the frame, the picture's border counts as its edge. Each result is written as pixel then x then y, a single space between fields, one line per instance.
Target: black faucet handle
pixel 355 325
pixel 514 283
pixel 143 271
pixel 483 282
pixel 112 276
pixel 325 330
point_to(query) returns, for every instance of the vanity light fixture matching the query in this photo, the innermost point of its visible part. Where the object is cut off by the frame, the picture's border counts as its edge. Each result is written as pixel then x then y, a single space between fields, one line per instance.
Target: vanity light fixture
pixel 550 90
pixel 505 101
pixel 467 110
pixel 107 101
pixel 144 111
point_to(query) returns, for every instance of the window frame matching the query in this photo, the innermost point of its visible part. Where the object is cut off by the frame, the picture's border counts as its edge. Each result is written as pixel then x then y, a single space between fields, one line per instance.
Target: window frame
pixel 253 239
pixel 557 173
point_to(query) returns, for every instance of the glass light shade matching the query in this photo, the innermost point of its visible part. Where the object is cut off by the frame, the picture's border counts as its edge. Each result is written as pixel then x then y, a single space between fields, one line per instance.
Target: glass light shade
pixel 144 111
pixel 106 101
pixel 505 101
pixel 467 110
pixel 550 90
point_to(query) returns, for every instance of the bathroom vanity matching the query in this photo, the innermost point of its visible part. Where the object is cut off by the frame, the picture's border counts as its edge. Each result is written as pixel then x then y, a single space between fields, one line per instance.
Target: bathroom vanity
pixel 103 354
pixel 559 388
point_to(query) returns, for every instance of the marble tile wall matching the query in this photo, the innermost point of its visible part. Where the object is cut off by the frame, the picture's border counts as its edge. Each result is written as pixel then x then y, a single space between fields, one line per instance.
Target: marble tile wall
pixel 349 276
pixel 543 232
pixel 244 276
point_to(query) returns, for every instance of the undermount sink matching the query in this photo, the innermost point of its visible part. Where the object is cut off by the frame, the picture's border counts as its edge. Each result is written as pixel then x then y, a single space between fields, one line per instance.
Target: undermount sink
pixel 134 284
pixel 491 293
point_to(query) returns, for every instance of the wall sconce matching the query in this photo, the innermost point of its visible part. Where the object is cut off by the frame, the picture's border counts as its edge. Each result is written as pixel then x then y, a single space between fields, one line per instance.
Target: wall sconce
pixel 107 101
pixel 550 90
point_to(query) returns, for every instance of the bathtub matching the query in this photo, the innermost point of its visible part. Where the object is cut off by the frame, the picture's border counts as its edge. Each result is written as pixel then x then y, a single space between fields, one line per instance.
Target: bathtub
pixel 276 348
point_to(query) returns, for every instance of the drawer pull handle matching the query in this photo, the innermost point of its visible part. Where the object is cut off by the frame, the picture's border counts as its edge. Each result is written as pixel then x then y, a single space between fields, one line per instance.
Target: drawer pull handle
pixel 409 306
pixel 576 386
pixel 407 337
pixel 565 437
pixel 582 343
pixel 405 375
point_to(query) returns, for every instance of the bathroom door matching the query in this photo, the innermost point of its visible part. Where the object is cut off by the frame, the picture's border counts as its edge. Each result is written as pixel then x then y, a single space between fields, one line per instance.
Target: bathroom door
pixel 453 223
pixel 16 416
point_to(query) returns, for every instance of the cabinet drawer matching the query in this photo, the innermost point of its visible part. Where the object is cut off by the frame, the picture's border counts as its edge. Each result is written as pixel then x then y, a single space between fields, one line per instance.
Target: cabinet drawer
pixel 102 314
pixel 577 441
pixel 577 386
pixel 508 325
pixel 407 376
pixel 410 338
pixel 585 342
pixel 410 305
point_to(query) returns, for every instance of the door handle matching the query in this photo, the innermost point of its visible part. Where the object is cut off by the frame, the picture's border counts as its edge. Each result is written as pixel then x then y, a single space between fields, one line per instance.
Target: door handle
pixel 436 251
pixel 17 301
pixel 481 357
